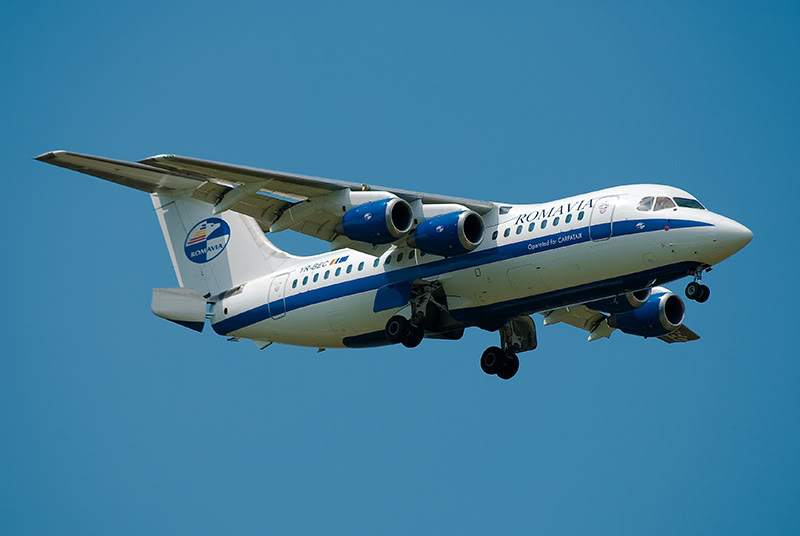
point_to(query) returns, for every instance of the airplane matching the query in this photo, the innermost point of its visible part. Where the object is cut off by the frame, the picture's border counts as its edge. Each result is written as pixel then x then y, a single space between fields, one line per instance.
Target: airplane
pixel 406 265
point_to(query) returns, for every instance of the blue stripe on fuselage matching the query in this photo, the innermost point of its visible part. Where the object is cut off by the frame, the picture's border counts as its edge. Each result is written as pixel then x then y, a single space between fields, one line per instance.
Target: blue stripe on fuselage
pixel 445 265
pixel 492 317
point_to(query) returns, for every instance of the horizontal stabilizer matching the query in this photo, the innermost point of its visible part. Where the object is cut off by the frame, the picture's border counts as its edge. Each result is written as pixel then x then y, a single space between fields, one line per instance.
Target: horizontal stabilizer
pixel 183 306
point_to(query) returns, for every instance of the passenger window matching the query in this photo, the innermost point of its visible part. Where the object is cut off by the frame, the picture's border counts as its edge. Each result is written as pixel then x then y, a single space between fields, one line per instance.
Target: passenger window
pixel 411 255
pixel 507 232
pixel 580 215
pixel 316 277
pixel 305 280
pixel 568 219
pixel 376 263
pixel 663 203
pixel 294 283
pixel 327 273
pixel 531 227
pixel 360 266
pixel 494 235
pixel 388 260
pixel 555 221
pixel 544 224
pixel 400 256
pixel 421 253
pixel 645 204
pixel 349 268
pixel 519 229
pixel 338 271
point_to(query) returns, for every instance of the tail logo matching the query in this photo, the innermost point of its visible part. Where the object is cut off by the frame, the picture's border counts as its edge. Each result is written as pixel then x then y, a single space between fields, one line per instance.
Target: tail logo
pixel 207 240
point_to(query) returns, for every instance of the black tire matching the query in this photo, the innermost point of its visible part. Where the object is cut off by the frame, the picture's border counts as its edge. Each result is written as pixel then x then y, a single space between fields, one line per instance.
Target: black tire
pixel 492 360
pixel 413 337
pixel 705 293
pixel 396 329
pixel 694 290
pixel 509 366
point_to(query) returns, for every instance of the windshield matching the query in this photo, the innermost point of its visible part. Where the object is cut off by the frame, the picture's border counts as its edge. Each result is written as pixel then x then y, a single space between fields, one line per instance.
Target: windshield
pixel 685 202
pixel 663 203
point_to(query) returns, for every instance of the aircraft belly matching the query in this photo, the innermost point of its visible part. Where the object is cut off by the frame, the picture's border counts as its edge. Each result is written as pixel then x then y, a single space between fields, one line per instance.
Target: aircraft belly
pixel 323 325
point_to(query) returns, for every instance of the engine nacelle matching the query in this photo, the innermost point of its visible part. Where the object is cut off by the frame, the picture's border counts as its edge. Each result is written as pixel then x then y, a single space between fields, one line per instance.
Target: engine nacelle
pixel 662 314
pixel 378 222
pixel 449 234
pixel 622 303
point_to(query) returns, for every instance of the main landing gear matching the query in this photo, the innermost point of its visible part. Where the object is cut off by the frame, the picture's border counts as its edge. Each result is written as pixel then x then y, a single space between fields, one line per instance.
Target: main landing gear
pixel 697 292
pixel 503 363
pixel 516 335
pixel 424 305
pixel 399 329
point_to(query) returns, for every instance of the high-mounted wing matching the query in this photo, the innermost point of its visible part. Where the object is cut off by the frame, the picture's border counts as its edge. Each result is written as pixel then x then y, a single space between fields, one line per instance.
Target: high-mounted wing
pixel 140 176
pixel 596 323
pixel 268 196
pixel 581 317
pixel 156 180
pixel 292 185
pixel 301 188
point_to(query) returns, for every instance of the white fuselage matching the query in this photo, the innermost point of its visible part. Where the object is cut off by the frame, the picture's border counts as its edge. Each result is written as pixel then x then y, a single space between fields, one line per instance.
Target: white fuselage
pixel 592 246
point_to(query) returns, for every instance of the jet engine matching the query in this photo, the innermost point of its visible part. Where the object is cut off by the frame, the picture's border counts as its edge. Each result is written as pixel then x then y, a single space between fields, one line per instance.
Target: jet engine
pixel 453 233
pixel 622 303
pixel 378 222
pixel 663 313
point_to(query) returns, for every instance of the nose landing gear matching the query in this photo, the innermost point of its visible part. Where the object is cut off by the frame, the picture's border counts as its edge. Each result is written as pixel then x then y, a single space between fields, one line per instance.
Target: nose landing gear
pixel 697 292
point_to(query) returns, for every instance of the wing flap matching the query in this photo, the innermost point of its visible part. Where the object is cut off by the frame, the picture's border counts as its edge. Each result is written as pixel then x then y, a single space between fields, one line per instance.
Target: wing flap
pixel 581 317
pixel 261 207
pixel 291 185
pixel 210 182
pixel 586 319
pixel 682 334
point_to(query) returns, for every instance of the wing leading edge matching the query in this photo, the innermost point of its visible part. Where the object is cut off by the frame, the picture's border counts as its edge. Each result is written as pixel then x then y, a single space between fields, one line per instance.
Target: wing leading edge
pixel 262 194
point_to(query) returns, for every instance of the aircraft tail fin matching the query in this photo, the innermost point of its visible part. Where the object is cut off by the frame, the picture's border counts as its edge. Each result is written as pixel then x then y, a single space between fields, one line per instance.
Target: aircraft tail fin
pixel 214 253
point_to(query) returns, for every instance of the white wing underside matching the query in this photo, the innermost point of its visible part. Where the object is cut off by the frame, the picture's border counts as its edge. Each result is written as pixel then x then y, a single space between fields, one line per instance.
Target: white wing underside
pixel 596 324
pixel 273 192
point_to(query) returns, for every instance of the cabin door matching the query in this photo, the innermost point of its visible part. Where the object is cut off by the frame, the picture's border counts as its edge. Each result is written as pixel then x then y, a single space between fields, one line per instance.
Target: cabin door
pixel 601 220
pixel 277 296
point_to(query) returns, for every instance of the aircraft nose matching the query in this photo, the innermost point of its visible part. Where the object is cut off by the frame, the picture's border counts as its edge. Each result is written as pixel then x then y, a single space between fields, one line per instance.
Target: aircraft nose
pixel 733 236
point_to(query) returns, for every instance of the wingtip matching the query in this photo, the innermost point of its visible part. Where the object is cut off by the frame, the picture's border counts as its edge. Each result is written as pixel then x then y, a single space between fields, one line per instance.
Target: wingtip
pixel 50 155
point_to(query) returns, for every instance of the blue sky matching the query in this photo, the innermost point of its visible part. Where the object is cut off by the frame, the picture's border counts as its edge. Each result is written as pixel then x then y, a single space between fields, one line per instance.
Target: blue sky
pixel 115 421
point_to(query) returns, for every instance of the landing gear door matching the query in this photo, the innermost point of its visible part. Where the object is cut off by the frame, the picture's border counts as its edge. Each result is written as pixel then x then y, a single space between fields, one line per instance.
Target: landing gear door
pixel 277 296
pixel 601 220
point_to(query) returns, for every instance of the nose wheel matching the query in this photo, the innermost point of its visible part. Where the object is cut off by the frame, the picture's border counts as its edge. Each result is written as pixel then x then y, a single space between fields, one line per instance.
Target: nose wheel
pixel 697 292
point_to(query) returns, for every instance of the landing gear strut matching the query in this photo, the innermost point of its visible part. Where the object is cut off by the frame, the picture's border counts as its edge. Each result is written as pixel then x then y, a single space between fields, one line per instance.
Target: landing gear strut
pixel 697 292
pixel 398 329
pixel 423 306
pixel 516 335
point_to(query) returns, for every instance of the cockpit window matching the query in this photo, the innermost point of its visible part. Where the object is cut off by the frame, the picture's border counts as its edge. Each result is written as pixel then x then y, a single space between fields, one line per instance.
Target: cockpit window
pixel 645 204
pixel 663 203
pixel 685 202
